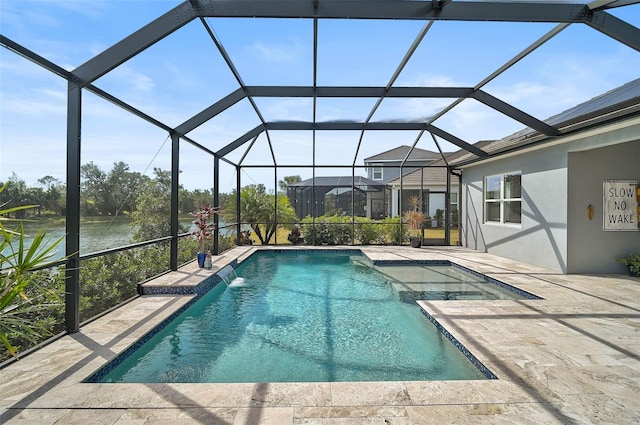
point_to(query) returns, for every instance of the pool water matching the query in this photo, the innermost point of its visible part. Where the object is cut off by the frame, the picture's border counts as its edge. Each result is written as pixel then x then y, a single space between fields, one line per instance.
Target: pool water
pixel 438 282
pixel 301 317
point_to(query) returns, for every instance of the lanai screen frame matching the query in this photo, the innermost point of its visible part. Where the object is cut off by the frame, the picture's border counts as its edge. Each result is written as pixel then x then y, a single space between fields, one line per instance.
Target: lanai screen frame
pixel 593 14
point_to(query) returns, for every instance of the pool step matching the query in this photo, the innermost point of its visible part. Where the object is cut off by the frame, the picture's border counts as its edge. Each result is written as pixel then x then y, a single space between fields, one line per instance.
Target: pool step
pixel 360 261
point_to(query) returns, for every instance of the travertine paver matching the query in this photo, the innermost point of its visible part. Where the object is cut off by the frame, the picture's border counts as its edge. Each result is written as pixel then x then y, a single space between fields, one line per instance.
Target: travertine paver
pixel 571 358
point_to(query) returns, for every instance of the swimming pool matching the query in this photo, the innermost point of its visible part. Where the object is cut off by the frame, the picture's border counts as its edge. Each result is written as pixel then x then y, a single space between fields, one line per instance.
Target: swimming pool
pixel 300 317
pixel 429 281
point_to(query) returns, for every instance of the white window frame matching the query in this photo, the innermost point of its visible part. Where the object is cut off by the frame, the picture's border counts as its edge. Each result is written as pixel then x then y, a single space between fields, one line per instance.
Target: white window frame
pixel 501 200
pixel 377 168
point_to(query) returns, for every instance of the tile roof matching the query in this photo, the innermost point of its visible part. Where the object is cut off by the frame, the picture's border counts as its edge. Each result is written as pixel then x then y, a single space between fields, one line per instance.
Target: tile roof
pixel 337 181
pixel 432 176
pixel 399 153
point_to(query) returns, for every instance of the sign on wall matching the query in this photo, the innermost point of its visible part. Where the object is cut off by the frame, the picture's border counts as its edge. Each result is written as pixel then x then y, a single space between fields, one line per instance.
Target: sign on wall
pixel 620 205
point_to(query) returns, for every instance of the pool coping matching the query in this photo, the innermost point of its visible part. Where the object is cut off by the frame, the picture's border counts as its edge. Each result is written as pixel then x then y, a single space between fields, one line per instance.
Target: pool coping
pixel 572 357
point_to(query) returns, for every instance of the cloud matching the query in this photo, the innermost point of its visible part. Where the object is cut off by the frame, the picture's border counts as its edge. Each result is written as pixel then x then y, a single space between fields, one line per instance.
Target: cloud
pixel 288 109
pixel 432 80
pixel 39 108
pixel 94 9
pixel 274 53
pixel 18 19
pixel 472 121
pixel 132 80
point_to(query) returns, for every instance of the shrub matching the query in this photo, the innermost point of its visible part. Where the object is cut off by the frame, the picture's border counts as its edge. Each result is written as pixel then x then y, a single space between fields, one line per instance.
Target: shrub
pixel 394 231
pixel 340 230
pixel 367 232
pixel 29 298
pixel 336 230
pixel 108 280
pixel 331 230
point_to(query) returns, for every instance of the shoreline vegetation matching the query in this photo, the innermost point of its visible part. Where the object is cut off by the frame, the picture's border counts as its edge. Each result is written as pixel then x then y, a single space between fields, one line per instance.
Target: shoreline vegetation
pixel 61 220
pixel 57 221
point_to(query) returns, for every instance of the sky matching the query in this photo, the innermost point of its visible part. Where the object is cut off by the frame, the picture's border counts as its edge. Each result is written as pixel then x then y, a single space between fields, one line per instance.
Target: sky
pixel 185 73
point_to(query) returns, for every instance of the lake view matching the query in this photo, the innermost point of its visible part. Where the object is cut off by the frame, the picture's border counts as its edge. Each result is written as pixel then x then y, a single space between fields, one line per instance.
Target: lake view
pixel 94 235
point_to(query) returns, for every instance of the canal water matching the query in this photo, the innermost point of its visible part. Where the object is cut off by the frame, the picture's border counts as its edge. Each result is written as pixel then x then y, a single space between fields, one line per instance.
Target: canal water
pixel 94 236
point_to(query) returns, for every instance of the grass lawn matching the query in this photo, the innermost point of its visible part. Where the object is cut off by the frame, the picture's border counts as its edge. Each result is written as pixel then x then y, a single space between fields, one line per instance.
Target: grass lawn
pixel 433 233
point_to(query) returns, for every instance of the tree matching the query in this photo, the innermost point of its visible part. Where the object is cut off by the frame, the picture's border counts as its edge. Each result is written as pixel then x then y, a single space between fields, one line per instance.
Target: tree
pixel 52 198
pixel 152 216
pixel 122 185
pixel 191 200
pixel 94 190
pixel 109 193
pixel 36 195
pixel 258 209
pixel 286 181
pixel 16 193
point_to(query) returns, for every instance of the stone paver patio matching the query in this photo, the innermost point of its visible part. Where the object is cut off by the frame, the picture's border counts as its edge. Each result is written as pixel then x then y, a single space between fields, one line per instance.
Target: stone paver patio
pixel 571 358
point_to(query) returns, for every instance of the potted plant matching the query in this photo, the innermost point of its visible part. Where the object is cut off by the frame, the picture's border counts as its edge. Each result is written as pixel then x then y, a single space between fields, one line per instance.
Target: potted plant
pixel 632 261
pixel 203 230
pixel 414 222
pixel 415 219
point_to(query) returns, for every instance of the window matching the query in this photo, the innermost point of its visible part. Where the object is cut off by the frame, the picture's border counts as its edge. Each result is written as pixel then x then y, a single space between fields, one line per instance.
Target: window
pixel 377 172
pixel 453 201
pixel 503 198
pixel 453 209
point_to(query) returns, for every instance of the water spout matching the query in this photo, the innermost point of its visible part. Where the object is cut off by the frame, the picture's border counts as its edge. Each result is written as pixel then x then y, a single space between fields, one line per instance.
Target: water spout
pixel 230 278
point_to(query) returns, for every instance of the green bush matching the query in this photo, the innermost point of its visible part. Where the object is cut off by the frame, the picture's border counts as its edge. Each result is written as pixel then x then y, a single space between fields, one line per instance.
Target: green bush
pixel 108 280
pixel 331 230
pixel 394 232
pixel 311 231
pixel 30 299
pixel 42 313
pixel 454 218
pixel 336 230
pixel 366 231
pixel 439 217
pixel 226 243
pixel 340 230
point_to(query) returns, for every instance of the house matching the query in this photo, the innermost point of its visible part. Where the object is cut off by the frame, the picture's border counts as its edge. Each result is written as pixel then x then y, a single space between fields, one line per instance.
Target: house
pixel 328 195
pixel 387 167
pixel 334 195
pixel 569 202
pixel 430 185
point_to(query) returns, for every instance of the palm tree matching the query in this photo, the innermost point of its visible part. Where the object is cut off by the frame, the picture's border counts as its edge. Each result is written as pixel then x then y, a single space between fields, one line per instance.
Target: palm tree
pixel 259 210
pixel 20 313
pixel 286 181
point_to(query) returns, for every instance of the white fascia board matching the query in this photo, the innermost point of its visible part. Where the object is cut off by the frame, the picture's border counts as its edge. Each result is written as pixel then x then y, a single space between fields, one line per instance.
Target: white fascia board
pixel 632 122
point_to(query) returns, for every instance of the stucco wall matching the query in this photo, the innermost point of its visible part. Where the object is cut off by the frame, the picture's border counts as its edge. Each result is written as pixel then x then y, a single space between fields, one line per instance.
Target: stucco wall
pixel 541 237
pixel 590 248
pixel 552 196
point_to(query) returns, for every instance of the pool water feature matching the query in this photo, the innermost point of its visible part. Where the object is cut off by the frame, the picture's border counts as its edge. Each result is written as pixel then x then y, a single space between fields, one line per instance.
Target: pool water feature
pixel 299 317
pixel 230 277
